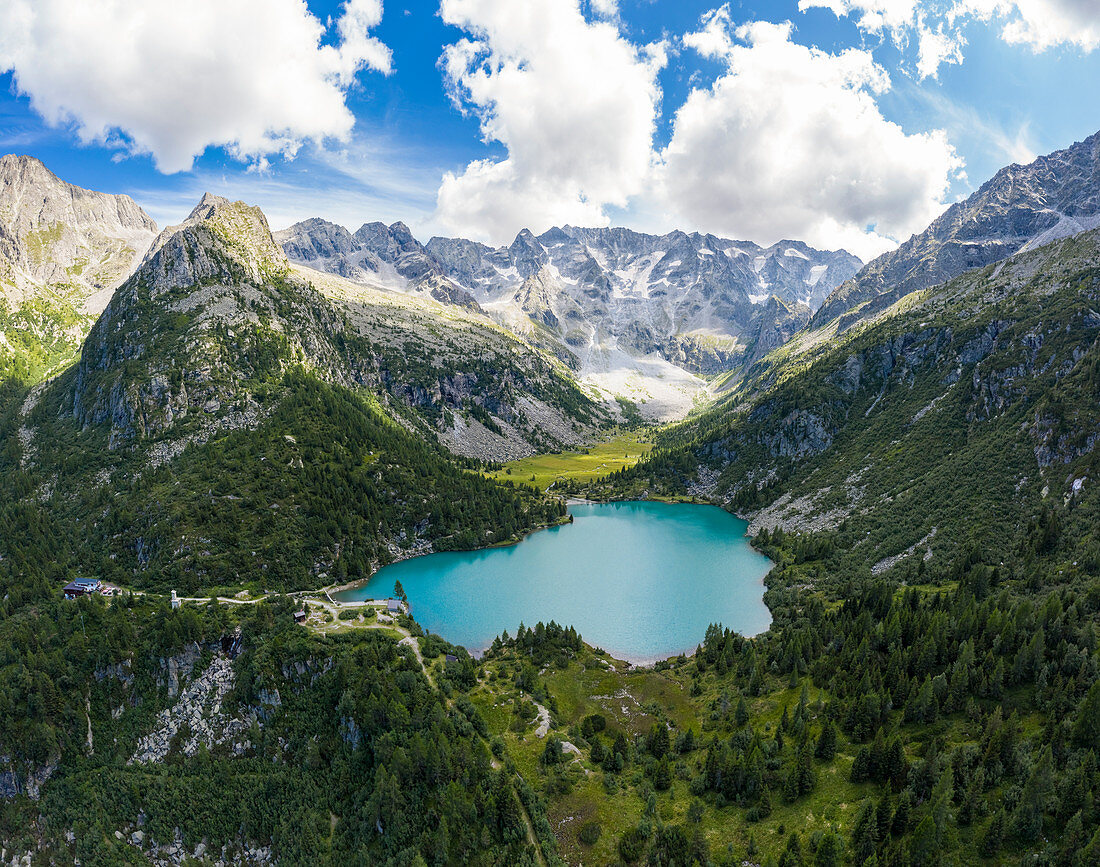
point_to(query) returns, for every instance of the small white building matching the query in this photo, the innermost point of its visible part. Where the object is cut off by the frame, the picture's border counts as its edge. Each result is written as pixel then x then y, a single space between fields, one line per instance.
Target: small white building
pixel 175 601
pixel 395 606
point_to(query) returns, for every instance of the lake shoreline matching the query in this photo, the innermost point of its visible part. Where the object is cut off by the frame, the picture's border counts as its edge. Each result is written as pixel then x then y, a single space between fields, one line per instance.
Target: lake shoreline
pixel 620 581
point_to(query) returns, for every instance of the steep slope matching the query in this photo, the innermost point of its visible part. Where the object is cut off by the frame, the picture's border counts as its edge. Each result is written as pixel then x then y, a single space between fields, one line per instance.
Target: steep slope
pixel 638 316
pixel 960 417
pixel 1020 207
pixel 63 250
pixel 221 398
pixel 230 306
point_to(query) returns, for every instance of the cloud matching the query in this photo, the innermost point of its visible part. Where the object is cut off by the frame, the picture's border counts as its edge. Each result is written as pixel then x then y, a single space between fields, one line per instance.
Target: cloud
pixel 789 143
pixel 1040 24
pixel 171 79
pixel 572 102
pixel 606 8
pixel 937 25
pixel 874 16
pixel 937 46
pixel 713 39
pixel 904 22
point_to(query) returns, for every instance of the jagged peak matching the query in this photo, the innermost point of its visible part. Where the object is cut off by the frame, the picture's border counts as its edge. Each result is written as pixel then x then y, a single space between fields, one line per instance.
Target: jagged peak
pixel 212 207
pixel 8 162
pixel 525 236
pixel 309 224
pixel 238 230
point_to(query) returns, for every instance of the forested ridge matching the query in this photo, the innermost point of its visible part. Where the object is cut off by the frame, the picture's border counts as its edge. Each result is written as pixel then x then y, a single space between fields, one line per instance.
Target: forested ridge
pixel 324 484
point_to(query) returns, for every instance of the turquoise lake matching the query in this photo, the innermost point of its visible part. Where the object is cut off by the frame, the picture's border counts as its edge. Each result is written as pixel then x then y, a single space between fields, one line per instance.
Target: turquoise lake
pixel 642 580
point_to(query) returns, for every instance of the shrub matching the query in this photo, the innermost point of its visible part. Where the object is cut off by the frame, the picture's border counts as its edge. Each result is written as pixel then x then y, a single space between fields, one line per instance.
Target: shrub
pixel 589 833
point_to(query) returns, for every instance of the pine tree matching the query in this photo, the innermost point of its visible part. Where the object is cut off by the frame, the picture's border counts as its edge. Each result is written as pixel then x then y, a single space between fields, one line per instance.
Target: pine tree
pixel 828 851
pixel 1086 728
pixel 989 844
pixel 662 779
pixel 826 742
pixel 741 714
pixel 792 855
pixel 865 832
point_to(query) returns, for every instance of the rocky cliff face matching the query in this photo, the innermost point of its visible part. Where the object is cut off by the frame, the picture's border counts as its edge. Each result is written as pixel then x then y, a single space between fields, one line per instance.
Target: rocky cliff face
pixel 55 234
pixel 636 315
pixel 63 250
pixel 1020 207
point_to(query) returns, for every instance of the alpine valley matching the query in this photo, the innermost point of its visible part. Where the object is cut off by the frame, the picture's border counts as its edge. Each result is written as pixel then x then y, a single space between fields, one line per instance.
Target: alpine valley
pixel 223 426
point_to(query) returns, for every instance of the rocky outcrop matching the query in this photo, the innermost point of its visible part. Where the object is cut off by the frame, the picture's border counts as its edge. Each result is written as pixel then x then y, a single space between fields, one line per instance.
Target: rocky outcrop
pixel 175 852
pixel 21 780
pixel 197 718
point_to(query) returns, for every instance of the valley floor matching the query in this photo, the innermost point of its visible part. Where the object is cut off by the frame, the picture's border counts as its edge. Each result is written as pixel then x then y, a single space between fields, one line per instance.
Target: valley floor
pixel 601 458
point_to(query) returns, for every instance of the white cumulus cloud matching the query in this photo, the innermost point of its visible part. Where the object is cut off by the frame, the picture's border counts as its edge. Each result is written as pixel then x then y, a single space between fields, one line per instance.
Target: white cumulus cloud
pixel 1040 24
pixel 171 79
pixel 606 8
pixel 937 25
pixel 789 143
pixel 573 103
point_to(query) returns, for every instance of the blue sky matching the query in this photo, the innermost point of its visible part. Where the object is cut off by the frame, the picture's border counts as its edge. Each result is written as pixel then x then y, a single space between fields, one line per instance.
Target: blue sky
pixel 648 113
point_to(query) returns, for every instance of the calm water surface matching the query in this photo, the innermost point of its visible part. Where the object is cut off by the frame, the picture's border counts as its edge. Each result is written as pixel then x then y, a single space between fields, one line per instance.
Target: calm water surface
pixel 642 580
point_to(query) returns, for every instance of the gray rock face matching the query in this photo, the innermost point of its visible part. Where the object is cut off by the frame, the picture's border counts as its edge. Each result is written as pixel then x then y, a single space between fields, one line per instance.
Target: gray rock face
pixel 56 234
pixel 1020 207
pixel 776 323
pixel 376 255
pixel 18 779
pixel 197 718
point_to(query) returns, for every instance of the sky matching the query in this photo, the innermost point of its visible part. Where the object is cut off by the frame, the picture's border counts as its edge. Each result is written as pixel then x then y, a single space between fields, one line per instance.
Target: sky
pixel 843 123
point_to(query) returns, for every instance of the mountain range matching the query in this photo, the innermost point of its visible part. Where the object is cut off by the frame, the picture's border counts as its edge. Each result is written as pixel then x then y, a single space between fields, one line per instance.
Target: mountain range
pixel 637 316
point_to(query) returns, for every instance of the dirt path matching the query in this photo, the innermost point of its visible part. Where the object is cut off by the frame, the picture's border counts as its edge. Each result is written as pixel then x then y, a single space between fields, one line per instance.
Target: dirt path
pixel 531 838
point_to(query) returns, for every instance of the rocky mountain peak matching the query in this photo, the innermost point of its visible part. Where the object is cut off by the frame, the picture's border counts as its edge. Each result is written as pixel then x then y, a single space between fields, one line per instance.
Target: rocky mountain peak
pixel 212 310
pixel 1021 206
pixel 220 239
